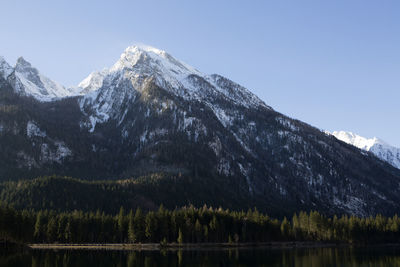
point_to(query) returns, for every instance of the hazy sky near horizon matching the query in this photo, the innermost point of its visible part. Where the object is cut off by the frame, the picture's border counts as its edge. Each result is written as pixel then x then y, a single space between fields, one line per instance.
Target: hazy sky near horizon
pixel 333 64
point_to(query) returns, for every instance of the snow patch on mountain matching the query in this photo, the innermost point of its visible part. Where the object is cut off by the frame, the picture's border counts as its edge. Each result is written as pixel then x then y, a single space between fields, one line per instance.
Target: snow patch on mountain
pixel 353 204
pixel 25 160
pixel 224 118
pixel 54 154
pixel 108 102
pixel 235 92
pixel 216 146
pixel 287 123
pixel 377 146
pixel 224 167
pixel 245 173
pixel 93 82
pixel 32 129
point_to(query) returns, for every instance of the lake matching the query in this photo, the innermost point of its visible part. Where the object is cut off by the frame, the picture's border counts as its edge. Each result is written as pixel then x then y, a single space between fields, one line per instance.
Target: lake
pixel 305 257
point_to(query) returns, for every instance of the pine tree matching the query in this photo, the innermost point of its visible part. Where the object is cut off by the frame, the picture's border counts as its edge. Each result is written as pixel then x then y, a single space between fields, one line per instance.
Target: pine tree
pixel 205 233
pixel 51 229
pixel 121 224
pixel 296 227
pixel 198 229
pixel 38 232
pixel 180 236
pixel 285 228
pixel 67 232
pixel 230 239
pixel 131 228
pixel 138 225
pixel 151 227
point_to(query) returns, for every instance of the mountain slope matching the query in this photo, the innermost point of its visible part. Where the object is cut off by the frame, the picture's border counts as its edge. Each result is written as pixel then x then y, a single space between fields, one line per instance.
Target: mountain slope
pixel 152 114
pixel 378 147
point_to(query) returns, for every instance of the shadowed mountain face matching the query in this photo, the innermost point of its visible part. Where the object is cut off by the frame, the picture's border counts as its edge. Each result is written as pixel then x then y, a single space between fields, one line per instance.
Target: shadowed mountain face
pixel 152 114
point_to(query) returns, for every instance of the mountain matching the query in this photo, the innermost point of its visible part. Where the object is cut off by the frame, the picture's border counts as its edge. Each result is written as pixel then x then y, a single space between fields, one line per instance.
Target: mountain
pixel 107 91
pixel 378 147
pixel 208 139
pixel 27 80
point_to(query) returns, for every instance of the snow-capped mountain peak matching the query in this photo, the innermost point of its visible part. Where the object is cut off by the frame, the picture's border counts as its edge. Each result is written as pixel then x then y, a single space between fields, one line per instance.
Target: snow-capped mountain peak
pixel 375 145
pixel 136 65
pixel 146 60
pixel 27 80
pixel 22 65
pixel 139 62
pixel 105 91
pixel 5 68
pixel 139 54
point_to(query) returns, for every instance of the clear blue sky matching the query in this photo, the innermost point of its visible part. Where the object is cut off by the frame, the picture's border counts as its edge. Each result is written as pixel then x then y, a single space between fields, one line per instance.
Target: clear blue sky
pixel 333 64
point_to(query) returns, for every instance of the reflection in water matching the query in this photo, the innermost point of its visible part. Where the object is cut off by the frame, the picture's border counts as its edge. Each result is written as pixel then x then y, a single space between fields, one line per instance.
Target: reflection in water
pixel 389 256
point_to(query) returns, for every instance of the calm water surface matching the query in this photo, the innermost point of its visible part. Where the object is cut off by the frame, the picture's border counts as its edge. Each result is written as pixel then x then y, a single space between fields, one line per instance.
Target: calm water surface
pixel 233 257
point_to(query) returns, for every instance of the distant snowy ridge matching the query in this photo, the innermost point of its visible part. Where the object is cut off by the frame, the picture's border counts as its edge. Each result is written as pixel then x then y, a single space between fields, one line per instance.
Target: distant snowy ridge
pixel 27 80
pixel 378 147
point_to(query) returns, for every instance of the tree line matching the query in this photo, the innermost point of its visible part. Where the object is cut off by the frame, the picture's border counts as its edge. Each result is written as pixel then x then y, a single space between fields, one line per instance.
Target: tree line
pixel 191 225
pixel 148 192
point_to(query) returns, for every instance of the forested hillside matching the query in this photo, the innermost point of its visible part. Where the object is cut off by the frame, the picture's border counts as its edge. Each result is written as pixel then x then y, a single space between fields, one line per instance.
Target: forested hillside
pixel 148 192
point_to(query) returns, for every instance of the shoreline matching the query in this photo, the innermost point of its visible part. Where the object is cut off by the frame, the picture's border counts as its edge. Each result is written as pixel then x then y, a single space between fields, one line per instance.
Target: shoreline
pixel 197 246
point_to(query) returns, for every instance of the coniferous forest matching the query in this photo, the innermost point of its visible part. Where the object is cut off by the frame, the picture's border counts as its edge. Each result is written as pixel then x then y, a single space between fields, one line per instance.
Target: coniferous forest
pixel 191 225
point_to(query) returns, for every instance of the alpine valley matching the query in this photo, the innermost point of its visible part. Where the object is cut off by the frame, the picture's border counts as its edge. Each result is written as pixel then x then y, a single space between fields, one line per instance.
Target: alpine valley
pixel 152 130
